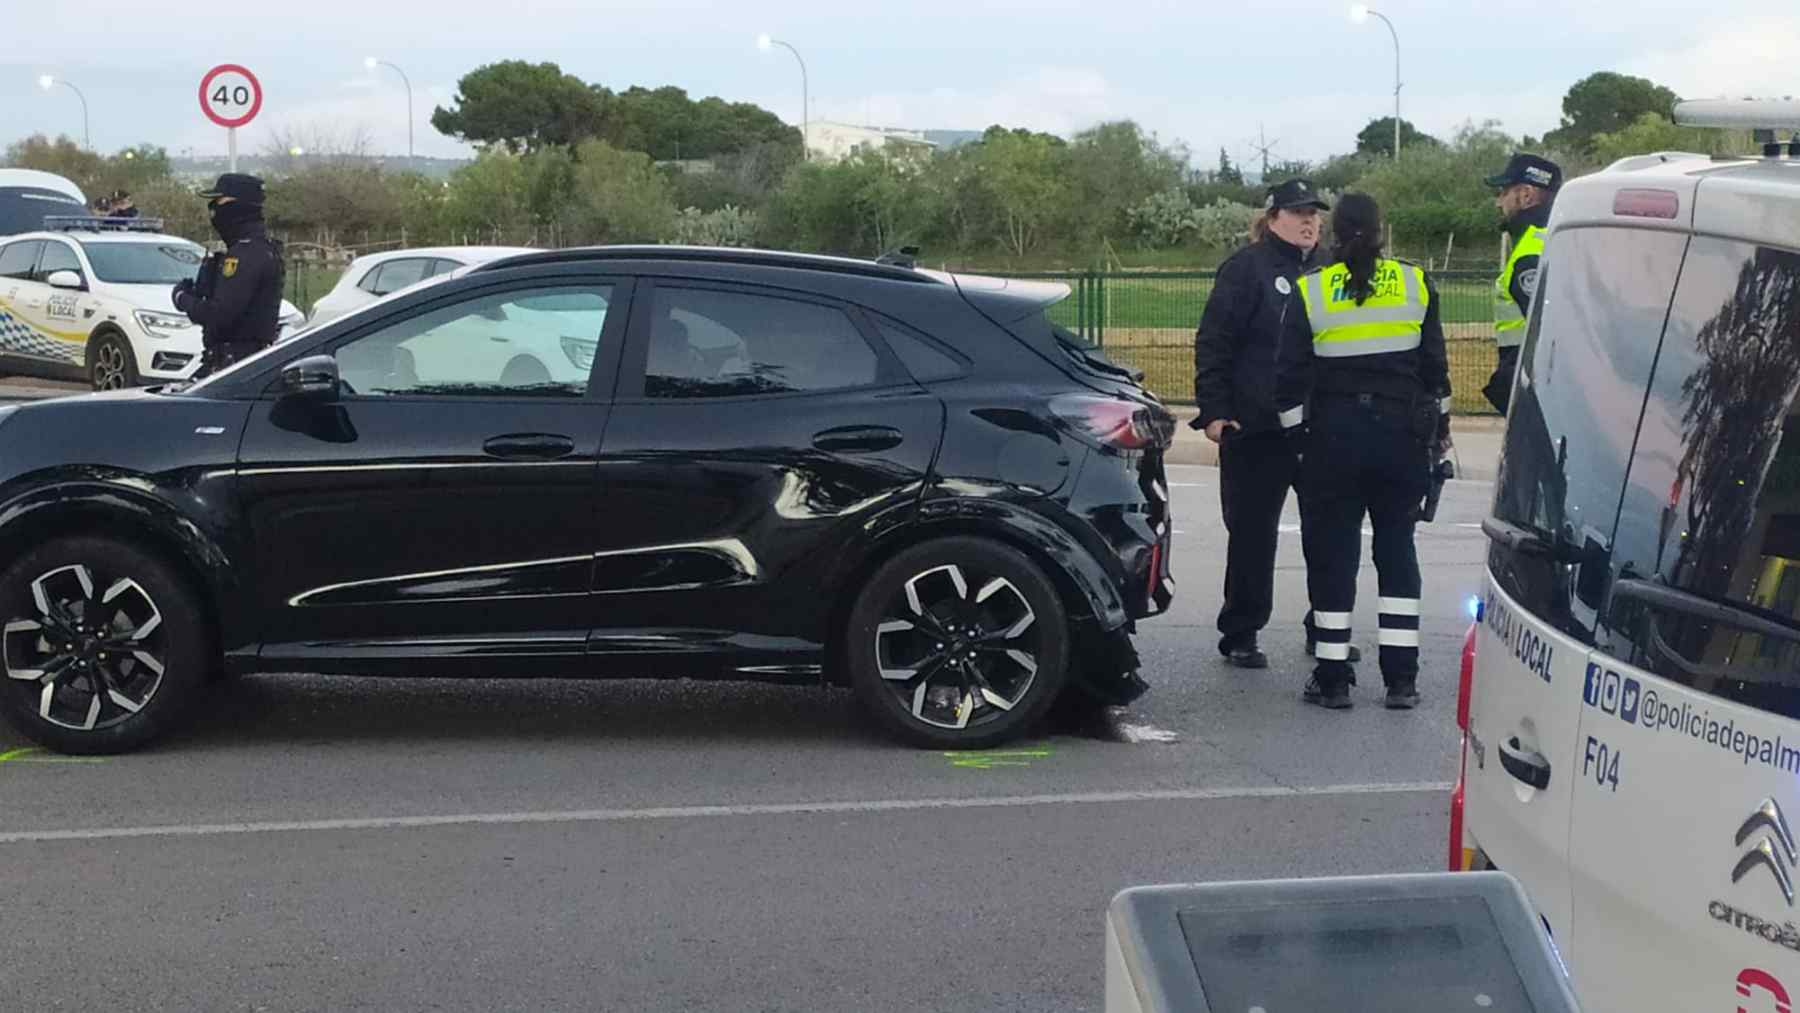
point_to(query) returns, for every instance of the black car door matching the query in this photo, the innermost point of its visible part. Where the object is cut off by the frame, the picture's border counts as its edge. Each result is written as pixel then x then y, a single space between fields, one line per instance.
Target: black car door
pixel 758 434
pixel 442 504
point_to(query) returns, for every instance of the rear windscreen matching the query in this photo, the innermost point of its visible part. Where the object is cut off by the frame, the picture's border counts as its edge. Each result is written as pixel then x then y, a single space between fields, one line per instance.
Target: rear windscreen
pixel 22 208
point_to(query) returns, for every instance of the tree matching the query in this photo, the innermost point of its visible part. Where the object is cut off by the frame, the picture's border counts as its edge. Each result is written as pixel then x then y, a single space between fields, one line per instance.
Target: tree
pixel 522 106
pixel 1112 168
pixel 1436 192
pixel 619 196
pixel 1606 103
pixel 1378 137
pixel 1227 173
pixel 1022 175
pixel 668 125
pixel 1652 132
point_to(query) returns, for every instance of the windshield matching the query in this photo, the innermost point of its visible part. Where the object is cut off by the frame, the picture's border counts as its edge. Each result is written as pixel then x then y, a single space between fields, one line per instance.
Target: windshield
pixel 144 263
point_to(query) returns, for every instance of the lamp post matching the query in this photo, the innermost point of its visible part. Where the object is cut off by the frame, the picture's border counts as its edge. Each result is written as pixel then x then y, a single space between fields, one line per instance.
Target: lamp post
pixel 372 63
pixel 48 82
pixel 1361 13
pixel 764 43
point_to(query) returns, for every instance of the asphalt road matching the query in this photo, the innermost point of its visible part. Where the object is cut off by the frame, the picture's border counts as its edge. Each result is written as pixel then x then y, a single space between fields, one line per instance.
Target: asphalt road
pixel 337 844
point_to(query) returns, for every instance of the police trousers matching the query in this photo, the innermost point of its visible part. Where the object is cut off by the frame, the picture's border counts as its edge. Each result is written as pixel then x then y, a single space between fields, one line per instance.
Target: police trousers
pixel 1366 456
pixel 1255 473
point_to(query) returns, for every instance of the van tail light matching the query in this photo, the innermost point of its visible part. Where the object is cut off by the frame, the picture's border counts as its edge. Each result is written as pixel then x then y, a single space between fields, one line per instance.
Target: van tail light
pixel 1456 813
pixel 1116 422
pixel 1466 685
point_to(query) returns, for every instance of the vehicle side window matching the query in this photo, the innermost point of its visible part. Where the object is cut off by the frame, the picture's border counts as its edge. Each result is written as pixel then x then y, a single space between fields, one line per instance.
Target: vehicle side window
pixel 717 343
pixel 1708 549
pixel 56 257
pixel 371 279
pixel 397 274
pixel 442 266
pixel 1583 371
pixel 533 342
pixel 920 355
pixel 18 259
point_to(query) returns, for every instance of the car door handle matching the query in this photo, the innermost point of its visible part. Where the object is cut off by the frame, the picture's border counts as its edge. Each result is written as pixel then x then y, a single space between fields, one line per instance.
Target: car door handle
pixel 1525 765
pixel 530 446
pixel 858 439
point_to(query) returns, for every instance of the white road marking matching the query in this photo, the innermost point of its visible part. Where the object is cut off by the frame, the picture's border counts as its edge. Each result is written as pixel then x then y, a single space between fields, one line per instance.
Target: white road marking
pixel 1136 734
pixel 711 811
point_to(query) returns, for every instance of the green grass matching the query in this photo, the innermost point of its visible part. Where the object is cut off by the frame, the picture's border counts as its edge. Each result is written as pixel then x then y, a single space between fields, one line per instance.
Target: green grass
pixel 1163 301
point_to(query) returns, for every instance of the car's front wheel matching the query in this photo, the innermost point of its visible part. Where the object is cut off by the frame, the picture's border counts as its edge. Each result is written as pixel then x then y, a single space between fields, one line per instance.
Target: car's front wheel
pixel 103 646
pixel 958 643
pixel 111 364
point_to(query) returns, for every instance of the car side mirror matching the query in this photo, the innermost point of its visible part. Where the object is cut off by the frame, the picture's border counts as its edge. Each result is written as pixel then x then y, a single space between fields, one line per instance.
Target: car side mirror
pixel 66 279
pixel 314 378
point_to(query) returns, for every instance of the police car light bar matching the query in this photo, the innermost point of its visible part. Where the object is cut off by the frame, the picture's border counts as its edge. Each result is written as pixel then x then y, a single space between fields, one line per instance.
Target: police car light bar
pixel 1740 114
pixel 92 223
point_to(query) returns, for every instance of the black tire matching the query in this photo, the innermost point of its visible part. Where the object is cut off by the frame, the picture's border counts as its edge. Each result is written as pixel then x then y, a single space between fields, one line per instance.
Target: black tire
pixel 111 364
pixel 98 625
pixel 997 695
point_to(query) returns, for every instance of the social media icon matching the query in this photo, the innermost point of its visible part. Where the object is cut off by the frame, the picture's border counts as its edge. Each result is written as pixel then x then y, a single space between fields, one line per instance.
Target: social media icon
pixel 1628 701
pixel 1609 693
pixel 1590 688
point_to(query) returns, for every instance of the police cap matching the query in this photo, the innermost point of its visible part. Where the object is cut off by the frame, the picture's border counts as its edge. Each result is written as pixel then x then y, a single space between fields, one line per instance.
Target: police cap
pixel 1522 168
pixel 238 186
pixel 1295 193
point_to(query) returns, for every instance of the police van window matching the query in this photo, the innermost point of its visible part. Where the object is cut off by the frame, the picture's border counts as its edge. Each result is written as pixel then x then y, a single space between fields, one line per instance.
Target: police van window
pixel 1587 358
pixel 56 257
pixel 1708 549
pixel 17 259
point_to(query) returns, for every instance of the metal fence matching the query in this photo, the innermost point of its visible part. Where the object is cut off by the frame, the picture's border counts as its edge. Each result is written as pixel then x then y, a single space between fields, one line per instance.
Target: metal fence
pixel 1147 319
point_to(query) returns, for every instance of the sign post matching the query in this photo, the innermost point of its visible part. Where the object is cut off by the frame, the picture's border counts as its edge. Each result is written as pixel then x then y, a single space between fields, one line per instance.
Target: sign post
pixel 230 96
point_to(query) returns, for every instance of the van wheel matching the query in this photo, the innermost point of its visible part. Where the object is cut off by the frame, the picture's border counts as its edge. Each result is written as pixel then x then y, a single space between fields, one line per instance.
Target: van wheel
pixel 103 647
pixel 959 643
pixel 111 364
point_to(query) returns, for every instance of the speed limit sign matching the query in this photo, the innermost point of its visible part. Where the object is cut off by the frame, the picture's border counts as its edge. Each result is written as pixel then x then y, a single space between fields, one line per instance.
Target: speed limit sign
pixel 230 95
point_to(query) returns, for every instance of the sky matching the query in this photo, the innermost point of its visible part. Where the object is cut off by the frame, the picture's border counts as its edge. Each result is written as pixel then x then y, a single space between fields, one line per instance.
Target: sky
pixel 1203 74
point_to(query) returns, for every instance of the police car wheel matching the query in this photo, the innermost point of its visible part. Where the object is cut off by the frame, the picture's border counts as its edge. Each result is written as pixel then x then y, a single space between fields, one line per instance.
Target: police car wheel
pixel 103 647
pixel 111 364
pixel 958 643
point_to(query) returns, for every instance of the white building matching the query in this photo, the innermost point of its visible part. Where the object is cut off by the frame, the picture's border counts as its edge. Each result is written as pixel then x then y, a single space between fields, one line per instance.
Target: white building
pixel 831 142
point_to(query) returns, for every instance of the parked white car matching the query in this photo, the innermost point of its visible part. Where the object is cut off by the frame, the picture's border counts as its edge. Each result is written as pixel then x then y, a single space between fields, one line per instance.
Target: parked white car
pixel 90 302
pixel 379 274
pixel 1630 696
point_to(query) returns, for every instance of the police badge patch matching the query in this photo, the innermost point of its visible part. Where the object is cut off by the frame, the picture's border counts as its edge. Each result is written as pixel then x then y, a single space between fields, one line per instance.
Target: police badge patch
pixel 228 268
pixel 1282 286
pixel 1528 281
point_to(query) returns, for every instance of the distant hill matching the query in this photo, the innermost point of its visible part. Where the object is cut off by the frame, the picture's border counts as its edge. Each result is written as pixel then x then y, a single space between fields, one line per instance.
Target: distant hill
pixel 208 168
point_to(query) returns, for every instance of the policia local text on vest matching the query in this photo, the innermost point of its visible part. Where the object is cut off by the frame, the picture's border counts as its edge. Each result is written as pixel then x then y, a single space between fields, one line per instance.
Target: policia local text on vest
pixel 1363 389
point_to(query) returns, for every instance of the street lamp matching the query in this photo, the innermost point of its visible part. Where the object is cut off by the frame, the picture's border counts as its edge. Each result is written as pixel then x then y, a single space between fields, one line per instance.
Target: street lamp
pixel 48 82
pixel 372 63
pixel 1361 13
pixel 764 43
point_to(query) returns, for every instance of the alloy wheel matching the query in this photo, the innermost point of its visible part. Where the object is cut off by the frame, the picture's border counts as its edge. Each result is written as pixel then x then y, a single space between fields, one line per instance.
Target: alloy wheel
pixel 98 653
pixel 109 367
pixel 958 648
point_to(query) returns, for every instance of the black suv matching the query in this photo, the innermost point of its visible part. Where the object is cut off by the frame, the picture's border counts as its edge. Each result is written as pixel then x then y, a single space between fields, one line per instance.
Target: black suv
pixel 619 462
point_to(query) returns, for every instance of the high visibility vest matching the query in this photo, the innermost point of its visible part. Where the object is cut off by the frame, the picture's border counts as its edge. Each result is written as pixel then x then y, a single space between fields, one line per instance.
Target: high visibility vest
pixel 1391 319
pixel 1509 320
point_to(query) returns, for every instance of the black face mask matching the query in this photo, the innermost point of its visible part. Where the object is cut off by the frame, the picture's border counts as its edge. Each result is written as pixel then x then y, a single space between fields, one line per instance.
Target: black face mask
pixel 230 220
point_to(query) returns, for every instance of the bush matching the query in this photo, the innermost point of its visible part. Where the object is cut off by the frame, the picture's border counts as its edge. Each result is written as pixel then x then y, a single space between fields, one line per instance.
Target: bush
pixel 728 226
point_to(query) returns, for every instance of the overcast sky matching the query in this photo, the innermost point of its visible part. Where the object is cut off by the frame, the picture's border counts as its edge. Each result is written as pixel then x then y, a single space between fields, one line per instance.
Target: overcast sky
pixel 1206 74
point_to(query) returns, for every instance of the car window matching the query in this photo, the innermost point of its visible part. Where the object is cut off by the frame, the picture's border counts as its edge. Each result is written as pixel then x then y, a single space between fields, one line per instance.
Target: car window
pixel 397 274
pixel 1582 372
pixel 17 259
pixel 1713 506
pixel 371 279
pixel 145 263
pixel 56 257
pixel 921 356
pixel 442 266
pixel 715 343
pixel 535 342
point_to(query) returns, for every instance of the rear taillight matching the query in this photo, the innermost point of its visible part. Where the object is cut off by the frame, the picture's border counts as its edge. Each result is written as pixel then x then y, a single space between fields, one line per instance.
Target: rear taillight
pixel 1115 422
pixel 1456 862
pixel 1466 686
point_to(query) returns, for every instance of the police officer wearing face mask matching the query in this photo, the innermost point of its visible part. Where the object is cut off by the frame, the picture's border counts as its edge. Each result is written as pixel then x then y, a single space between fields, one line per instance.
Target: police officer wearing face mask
pixel 236 298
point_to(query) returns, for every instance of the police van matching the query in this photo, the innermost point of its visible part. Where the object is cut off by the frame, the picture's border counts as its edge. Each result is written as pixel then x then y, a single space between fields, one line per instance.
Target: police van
pixel 27 196
pixel 1630 692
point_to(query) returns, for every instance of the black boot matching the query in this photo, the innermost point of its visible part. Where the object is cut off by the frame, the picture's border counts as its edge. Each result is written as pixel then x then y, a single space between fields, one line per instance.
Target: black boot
pixel 1335 697
pixel 1402 696
pixel 1242 652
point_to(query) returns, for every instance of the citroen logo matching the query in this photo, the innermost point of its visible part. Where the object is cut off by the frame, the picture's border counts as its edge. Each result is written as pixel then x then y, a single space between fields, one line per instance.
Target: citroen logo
pixel 1774 851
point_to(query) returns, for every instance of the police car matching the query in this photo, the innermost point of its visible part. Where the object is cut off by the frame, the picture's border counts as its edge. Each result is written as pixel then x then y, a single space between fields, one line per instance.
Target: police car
pixel 1630 697
pixel 88 299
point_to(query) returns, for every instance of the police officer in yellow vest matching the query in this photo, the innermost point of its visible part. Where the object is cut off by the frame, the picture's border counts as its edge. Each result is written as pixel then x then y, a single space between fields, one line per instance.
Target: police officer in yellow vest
pixel 1362 384
pixel 1526 191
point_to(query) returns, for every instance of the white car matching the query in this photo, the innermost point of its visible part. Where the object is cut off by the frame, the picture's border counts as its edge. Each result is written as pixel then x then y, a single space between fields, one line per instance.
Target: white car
pixel 371 277
pixel 1630 698
pixel 92 303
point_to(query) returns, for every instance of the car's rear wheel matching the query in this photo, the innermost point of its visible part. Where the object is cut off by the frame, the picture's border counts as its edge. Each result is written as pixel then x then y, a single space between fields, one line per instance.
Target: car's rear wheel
pixel 959 643
pixel 103 646
pixel 111 365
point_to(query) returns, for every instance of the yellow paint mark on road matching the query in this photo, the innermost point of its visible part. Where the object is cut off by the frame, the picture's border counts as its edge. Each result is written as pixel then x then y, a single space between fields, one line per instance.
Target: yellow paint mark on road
pixel 29 754
pixel 990 760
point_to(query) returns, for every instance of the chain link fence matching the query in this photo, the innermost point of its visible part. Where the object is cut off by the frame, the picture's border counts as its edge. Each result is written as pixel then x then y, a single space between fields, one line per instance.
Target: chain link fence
pixel 1147 320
